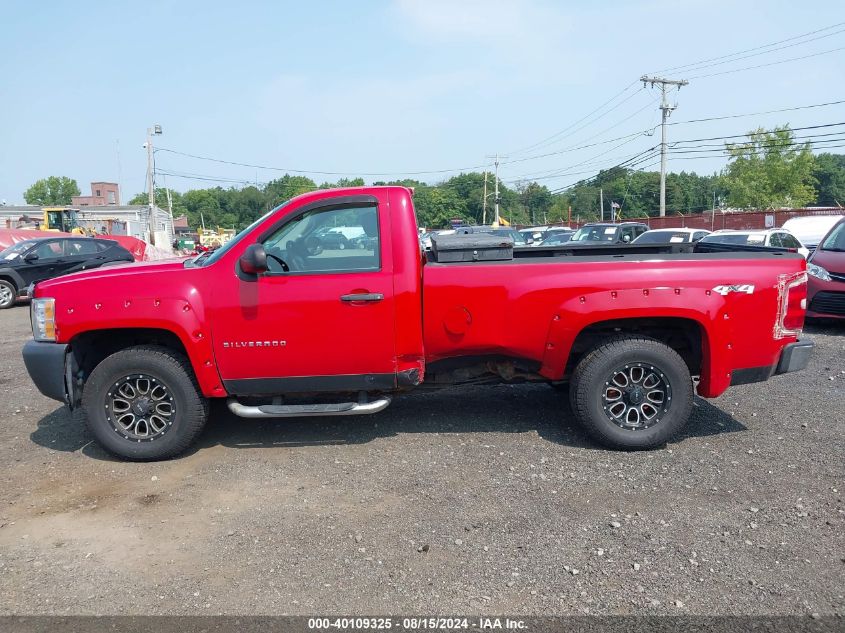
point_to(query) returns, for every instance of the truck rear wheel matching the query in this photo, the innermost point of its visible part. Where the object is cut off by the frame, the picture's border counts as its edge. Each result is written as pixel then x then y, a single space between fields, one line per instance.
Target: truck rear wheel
pixel 143 403
pixel 632 393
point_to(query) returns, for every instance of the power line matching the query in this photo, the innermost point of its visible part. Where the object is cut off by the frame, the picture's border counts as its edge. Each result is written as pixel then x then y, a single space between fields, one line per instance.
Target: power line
pixel 739 116
pixel 315 171
pixel 774 50
pixel 749 50
pixel 643 156
pixel 794 129
pixel 782 61
pixel 559 136
pixel 584 118
pixel 649 131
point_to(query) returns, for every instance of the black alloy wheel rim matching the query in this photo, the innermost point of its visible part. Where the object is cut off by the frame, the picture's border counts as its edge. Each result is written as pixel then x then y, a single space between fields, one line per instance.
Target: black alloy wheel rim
pixel 636 396
pixel 140 408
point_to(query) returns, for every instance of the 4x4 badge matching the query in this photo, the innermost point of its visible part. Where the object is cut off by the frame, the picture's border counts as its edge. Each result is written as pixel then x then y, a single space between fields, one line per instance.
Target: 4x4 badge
pixel 746 288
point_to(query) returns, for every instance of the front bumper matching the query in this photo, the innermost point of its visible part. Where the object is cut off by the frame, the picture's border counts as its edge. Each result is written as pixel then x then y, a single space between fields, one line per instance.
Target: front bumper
pixel 825 299
pixel 45 363
pixel 793 357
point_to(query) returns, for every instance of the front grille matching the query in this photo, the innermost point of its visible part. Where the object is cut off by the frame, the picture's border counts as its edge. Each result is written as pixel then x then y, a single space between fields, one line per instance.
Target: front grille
pixel 829 303
pixel 837 276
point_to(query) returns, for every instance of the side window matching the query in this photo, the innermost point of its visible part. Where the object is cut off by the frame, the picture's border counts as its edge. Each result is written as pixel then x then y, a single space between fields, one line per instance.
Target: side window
pixel 49 250
pixel 627 234
pixel 789 241
pixel 639 231
pixel 74 248
pixel 774 240
pixel 326 241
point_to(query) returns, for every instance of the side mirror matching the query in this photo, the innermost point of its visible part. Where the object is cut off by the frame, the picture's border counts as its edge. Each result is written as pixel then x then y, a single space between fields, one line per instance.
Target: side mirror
pixel 30 257
pixel 254 260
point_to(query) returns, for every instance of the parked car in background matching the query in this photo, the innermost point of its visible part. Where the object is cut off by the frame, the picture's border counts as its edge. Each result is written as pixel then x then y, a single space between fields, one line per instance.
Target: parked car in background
pixel 609 233
pixel 331 239
pixel 810 229
pixel 518 238
pixel 535 233
pixel 826 276
pixel 777 238
pixel 425 238
pixel 35 260
pixel 556 238
pixel 364 242
pixel 671 236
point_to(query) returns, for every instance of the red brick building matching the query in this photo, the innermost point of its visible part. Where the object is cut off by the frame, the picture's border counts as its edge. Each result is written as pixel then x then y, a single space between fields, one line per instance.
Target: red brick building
pixel 102 193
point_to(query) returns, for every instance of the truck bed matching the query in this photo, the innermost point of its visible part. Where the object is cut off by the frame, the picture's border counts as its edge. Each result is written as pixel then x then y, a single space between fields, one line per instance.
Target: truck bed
pixel 505 309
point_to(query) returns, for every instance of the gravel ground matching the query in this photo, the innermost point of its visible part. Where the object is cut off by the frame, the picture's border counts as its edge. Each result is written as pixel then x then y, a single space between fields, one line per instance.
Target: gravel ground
pixel 484 500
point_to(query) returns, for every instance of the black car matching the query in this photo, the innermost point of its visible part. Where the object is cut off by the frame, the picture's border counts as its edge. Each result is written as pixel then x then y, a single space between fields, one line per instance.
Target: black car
pixel 556 238
pixel 35 260
pixel 608 233
pixel 332 240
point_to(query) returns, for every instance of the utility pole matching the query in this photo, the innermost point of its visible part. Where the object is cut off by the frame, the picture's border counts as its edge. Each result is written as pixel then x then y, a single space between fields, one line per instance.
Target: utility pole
pixel 496 187
pixel 601 205
pixel 484 201
pixel 496 194
pixel 667 110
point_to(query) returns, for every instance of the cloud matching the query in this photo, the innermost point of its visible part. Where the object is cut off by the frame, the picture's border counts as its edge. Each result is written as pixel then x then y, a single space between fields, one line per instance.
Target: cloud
pixel 528 33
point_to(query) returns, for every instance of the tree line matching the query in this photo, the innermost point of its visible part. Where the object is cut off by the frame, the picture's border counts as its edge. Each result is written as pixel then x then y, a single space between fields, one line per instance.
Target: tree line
pixel 767 170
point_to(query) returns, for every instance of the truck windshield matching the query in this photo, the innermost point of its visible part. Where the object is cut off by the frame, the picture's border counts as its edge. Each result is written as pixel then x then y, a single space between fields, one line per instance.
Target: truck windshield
pixel 207 259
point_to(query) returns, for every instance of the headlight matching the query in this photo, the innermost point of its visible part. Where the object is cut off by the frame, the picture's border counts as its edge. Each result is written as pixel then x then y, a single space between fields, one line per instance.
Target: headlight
pixel 42 312
pixel 818 272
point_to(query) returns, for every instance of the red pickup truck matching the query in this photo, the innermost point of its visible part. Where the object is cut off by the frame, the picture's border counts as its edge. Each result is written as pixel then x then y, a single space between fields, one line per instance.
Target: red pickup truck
pixel 283 323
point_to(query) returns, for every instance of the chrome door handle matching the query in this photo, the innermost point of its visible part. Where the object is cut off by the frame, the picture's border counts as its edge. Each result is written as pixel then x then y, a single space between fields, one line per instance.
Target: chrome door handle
pixel 367 296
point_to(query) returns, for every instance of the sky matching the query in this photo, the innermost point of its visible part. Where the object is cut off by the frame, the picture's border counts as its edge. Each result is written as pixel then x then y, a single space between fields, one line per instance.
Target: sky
pixel 393 87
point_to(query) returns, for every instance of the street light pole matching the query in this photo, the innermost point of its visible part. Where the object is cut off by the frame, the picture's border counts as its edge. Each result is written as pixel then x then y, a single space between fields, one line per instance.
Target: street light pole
pixel 155 130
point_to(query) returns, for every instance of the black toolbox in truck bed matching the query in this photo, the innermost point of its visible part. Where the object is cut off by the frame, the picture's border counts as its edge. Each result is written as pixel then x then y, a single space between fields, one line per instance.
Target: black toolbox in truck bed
pixel 471 247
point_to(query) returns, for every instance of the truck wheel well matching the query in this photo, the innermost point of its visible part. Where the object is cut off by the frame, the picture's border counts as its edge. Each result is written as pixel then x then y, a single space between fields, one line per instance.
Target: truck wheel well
pixel 683 335
pixel 90 348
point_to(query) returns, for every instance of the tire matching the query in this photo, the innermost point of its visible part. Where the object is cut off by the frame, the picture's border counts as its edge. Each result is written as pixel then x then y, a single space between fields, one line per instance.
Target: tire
pixel 166 380
pixel 8 294
pixel 603 391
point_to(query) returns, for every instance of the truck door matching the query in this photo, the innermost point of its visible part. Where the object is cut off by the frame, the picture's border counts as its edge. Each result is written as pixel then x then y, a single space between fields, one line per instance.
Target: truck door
pixel 321 318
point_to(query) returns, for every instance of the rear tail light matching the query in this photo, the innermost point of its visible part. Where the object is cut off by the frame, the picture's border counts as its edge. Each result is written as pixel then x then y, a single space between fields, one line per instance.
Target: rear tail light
pixel 792 304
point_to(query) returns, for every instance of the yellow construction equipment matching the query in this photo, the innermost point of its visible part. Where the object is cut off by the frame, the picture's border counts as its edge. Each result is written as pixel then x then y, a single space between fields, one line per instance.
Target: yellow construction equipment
pixel 61 219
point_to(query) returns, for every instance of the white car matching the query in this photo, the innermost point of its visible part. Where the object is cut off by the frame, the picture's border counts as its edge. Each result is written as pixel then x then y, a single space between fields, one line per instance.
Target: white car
pixel 810 229
pixel 767 237
pixel 671 236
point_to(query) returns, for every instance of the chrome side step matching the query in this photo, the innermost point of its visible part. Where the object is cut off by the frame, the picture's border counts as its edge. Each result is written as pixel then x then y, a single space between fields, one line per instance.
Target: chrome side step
pixel 307 410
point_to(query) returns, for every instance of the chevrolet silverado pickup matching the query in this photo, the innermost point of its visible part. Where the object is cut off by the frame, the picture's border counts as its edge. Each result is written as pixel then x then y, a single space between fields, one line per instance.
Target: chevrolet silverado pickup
pixel 283 324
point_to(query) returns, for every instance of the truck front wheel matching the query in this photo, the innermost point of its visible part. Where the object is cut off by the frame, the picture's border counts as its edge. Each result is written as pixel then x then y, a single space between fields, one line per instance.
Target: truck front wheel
pixel 143 403
pixel 632 393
